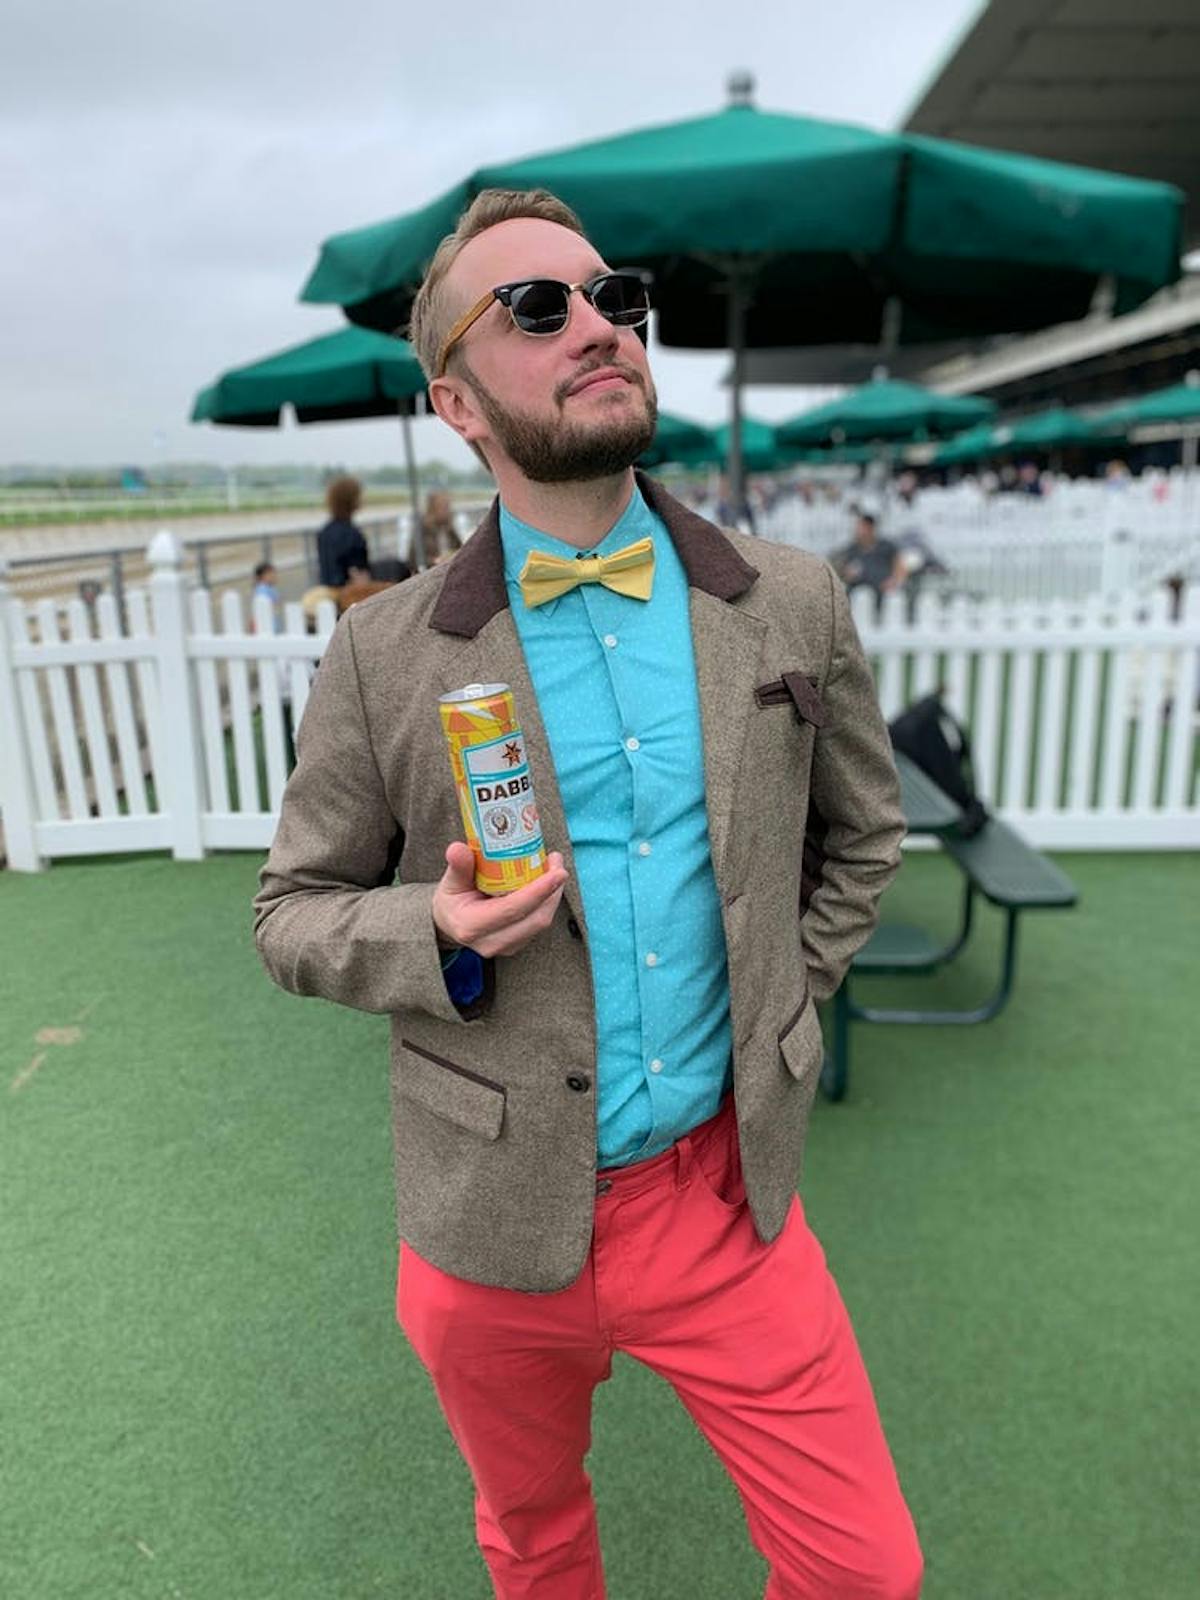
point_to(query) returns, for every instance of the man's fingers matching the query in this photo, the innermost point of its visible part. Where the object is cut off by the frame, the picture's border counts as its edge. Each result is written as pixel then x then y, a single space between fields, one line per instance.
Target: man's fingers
pixel 508 939
pixel 499 924
pixel 490 914
pixel 459 876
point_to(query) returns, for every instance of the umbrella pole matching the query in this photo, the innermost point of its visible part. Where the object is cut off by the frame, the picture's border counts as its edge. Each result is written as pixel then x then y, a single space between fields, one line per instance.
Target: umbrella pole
pixel 738 300
pixel 416 546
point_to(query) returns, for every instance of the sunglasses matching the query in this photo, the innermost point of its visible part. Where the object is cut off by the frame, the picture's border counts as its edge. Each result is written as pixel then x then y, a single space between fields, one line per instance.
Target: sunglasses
pixel 541 306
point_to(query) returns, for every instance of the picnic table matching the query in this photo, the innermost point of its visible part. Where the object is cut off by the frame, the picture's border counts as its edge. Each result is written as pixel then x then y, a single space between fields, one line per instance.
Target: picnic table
pixel 995 863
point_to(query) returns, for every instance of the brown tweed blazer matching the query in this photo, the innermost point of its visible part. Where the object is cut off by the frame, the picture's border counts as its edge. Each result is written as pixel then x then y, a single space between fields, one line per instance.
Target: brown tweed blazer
pixel 494 1112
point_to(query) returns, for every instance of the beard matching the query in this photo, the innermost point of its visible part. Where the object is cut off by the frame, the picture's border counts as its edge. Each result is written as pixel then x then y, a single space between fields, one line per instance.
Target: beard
pixel 555 450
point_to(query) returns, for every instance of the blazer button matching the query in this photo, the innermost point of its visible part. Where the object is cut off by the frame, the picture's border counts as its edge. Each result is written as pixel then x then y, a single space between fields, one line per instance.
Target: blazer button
pixel 579 1083
pixel 574 929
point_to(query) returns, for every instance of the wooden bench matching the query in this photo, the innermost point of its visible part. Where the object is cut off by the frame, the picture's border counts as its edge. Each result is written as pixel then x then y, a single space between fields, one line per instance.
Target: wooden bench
pixel 997 864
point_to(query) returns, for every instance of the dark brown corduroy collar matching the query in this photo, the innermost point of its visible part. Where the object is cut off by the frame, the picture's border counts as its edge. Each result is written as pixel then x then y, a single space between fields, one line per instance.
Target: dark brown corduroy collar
pixel 474 590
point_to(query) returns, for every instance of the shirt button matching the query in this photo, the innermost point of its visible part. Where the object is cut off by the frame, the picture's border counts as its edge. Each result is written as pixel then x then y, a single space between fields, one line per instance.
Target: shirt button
pixel 651 959
pixel 656 1065
pixel 610 640
pixel 644 848
pixel 633 744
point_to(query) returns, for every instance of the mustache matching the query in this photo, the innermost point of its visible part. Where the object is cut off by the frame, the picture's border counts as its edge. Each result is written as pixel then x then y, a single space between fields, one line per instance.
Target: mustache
pixel 628 372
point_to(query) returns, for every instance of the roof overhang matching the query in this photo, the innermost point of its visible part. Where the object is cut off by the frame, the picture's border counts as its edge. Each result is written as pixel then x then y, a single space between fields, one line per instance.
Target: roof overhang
pixel 1100 358
pixel 1103 83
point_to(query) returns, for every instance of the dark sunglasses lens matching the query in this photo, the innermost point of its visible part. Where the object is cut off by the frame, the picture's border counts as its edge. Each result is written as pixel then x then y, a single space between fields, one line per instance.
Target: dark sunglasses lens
pixel 622 297
pixel 540 306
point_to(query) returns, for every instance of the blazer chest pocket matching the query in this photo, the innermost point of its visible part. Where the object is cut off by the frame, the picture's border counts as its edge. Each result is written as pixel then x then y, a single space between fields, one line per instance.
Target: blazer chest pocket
pixel 452 1092
pixel 798 691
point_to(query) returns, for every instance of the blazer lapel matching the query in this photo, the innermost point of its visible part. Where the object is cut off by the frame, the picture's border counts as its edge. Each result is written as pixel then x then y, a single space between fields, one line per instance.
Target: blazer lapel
pixel 728 645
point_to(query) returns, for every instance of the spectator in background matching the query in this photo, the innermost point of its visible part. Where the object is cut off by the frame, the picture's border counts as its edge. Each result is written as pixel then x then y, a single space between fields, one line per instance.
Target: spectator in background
pixel 266 582
pixel 266 587
pixel 870 560
pixel 729 513
pixel 906 488
pixel 437 536
pixel 341 547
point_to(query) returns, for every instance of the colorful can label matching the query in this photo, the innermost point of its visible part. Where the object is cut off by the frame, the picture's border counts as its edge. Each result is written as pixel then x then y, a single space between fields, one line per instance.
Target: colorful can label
pixel 495 787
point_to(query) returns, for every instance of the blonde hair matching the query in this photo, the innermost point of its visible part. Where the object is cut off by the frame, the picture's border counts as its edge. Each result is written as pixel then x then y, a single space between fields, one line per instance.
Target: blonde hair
pixel 432 314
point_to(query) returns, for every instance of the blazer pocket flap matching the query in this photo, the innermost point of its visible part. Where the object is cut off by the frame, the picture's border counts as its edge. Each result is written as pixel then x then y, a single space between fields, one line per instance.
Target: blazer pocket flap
pixel 801 1043
pixel 809 705
pixel 798 691
pixel 452 1092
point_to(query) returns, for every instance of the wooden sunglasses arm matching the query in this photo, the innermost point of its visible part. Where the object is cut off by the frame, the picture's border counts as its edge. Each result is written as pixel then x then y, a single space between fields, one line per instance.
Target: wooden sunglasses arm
pixel 467 320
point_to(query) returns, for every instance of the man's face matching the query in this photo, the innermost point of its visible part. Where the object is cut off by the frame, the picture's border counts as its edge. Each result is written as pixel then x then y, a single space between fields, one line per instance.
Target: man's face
pixel 865 532
pixel 563 407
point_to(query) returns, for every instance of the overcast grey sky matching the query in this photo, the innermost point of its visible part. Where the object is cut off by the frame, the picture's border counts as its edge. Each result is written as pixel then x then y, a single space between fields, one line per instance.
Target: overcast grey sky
pixel 168 170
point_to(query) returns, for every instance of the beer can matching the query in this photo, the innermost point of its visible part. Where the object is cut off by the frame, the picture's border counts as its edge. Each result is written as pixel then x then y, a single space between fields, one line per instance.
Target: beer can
pixel 495 787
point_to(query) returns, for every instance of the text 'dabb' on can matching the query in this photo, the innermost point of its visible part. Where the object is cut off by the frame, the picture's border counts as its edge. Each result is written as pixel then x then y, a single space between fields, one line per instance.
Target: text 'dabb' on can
pixel 495 787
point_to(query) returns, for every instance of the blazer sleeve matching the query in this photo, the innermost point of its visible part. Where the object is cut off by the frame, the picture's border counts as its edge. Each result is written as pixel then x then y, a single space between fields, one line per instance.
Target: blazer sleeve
pixel 856 792
pixel 328 918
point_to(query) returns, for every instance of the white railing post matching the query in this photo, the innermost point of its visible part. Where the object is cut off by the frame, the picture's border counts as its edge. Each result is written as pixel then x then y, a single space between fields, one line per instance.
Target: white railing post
pixel 404 538
pixel 181 725
pixel 17 807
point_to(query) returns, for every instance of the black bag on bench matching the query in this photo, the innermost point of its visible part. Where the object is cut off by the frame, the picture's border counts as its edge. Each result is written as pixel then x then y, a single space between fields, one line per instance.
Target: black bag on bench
pixel 938 743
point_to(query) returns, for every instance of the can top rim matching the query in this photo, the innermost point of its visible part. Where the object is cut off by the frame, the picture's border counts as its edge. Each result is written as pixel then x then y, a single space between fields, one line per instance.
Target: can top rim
pixel 473 691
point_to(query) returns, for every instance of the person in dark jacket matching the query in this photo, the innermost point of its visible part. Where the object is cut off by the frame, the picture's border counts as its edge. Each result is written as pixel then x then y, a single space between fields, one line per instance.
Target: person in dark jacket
pixel 341 547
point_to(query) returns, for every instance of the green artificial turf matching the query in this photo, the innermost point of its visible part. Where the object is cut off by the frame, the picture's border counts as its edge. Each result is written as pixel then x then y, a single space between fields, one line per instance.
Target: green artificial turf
pixel 203 1393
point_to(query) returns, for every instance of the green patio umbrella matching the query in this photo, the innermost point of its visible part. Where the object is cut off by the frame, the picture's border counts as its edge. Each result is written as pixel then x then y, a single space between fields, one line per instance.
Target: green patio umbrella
pixel 767 230
pixel 972 445
pixel 678 439
pixel 760 450
pixel 836 455
pixel 1056 428
pixel 342 376
pixel 884 409
pixel 1179 403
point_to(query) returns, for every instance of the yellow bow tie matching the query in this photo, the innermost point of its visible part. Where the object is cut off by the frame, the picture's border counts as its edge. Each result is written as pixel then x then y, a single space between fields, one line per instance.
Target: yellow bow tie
pixel 629 571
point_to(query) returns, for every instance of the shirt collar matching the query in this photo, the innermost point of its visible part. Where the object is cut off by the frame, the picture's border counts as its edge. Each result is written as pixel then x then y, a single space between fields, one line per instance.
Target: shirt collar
pixel 472 590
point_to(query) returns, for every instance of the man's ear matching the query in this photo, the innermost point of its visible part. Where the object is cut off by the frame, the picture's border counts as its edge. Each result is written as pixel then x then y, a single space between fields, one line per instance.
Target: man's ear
pixel 456 406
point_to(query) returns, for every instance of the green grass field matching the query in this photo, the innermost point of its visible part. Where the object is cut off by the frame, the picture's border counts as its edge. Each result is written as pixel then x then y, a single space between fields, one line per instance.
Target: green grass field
pixel 203 1393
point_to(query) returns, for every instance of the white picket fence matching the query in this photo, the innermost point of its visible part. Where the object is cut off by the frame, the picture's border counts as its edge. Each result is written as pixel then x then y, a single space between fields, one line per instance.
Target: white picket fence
pixel 173 733
pixel 186 748
pixel 1084 538
pixel 1083 717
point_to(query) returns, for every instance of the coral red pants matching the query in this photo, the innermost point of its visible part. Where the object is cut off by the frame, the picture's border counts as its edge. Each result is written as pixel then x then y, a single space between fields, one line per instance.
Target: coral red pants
pixel 753 1338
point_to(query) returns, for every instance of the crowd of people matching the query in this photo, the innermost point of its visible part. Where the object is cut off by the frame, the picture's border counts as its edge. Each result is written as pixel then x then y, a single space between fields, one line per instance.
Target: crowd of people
pixel 873 558
pixel 346 570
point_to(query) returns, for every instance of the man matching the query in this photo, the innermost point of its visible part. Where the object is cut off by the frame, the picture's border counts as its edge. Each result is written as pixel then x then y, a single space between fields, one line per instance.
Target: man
pixel 601 1081
pixel 869 560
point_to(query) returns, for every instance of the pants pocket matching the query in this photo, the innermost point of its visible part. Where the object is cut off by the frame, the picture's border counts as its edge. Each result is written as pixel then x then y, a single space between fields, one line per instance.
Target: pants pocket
pixel 720 1171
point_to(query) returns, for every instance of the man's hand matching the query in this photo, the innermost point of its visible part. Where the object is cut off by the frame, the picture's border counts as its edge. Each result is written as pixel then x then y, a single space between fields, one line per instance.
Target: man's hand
pixel 493 925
